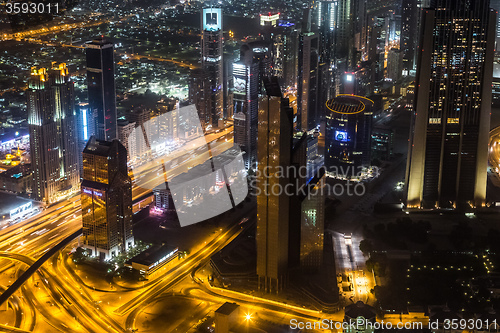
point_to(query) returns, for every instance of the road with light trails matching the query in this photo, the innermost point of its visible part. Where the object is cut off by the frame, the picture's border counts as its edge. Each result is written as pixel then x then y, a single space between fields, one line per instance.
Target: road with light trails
pixel 30 239
pixel 65 294
pixel 41 232
pixel 179 272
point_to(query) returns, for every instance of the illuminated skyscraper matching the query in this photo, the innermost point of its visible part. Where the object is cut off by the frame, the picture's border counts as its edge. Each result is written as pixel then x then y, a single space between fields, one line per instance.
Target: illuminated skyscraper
pixel 254 64
pixel 245 105
pixel 274 151
pixel 283 39
pixel 448 156
pixel 212 63
pixel 106 199
pixel 312 225
pixel 308 109
pixel 348 132
pixel 127 137
pixel 409 35
pixel 344 40
pixel 200 95
pixel 53 137
pixel 101 88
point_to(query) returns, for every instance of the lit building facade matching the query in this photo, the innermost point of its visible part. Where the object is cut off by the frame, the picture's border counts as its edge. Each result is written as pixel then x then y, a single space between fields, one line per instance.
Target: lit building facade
pixel 312 226
pixel 127 136
pixel 199 95
pixel 283 41
pixel 254 64
pixel 212 62
pixel 53 136
pixel 382 143
pixel 164 201
pixel 409 39
pixel 308 82
pixel 448 152
pixel 274 151
pixel 348 131
pixel 101 88
pixel 106 196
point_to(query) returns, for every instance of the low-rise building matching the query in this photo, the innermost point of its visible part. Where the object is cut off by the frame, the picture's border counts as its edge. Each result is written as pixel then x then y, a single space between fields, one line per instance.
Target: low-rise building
pixel 152 259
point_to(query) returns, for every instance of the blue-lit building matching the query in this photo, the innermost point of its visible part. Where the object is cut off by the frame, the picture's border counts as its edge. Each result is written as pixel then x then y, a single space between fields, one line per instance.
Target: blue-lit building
pixel 212 63
pixel 348 132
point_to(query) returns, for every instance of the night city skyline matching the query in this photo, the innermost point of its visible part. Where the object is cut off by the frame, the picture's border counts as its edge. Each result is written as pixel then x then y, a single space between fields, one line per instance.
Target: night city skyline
pixel 250 166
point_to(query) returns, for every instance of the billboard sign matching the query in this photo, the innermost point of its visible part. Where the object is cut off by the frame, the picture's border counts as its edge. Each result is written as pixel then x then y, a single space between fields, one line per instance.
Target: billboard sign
pixel 341 136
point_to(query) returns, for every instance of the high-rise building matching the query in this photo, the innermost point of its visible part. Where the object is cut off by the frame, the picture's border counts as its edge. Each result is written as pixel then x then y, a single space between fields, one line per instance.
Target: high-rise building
pixel 254 64
pixel 106 199
pixel 348 132
pixel 101 88
pixel 163 199
pixel 409 35
pixel 448 156
pixel 307 204
pixel 85 130
pixel 53 136
pixel 199 95
pixel 312 226
pixel 274 151
pixel 212 62
pixel 344 40
pixel 495 4
pixel 228 86
pixel 382 143
pixel 127 136
pixel 394 64
pixel 246 102
pixel 283 42
pixel 308 82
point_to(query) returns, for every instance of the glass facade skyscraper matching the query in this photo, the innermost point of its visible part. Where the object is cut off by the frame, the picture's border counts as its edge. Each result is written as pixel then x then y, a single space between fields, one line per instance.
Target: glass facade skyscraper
pixel 212 63
pixel 448 154
pixel 101 88
pixel 106 199
pixel 53 137
pixel 273 152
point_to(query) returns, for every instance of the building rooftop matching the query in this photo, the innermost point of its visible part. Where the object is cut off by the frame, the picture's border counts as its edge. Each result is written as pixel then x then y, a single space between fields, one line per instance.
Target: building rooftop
pixel 10 202
pixel 227 308
pixel 152 255
pixel 97 147
pixel 360 309
pixel 17 172
pixel 99 43
pixel 349 104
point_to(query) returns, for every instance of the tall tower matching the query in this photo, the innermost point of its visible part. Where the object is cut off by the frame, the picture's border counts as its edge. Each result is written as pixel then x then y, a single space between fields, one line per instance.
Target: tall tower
pixel 53 137
pixel 274 152
pixel 448 154
pixel 211 61
pixel 308 82
pixel 254 64
pixel 409 38
pixel 106 199
pixel 101 88
pixel 312 222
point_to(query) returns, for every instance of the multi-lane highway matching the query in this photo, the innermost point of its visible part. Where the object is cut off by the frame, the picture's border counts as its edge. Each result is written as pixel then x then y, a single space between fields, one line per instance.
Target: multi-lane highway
pixel 27 240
